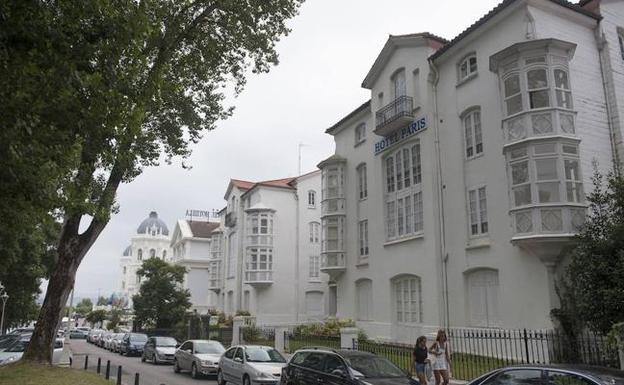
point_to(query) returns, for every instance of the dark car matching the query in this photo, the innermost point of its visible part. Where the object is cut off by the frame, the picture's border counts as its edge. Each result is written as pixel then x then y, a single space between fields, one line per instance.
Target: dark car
pixel 341 367
pixel 159 350
pixel 551 375
pixel 77 334
pixel 132 344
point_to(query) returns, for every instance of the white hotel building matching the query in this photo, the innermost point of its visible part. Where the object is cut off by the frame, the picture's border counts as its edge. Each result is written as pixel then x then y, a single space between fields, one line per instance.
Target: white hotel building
pixel 267 259
pixel 454 189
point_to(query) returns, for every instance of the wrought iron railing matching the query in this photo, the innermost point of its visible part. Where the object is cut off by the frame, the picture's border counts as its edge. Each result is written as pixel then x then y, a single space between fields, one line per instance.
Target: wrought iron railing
pixel 403 106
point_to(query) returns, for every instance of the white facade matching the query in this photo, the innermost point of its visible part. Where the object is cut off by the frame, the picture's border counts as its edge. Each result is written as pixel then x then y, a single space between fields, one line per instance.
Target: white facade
pixel 269 262
pixel 454 190
pixel 150 240
pixel 191 247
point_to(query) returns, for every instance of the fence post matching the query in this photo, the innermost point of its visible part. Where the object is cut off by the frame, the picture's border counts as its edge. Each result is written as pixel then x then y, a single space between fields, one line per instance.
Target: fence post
pixel 280 340
pixel 526 346
pixel 99 365
pixel 86 362
pixel 348 338
pixel 136 378
pixel 107 376
pixel 119 375
pixel 237 322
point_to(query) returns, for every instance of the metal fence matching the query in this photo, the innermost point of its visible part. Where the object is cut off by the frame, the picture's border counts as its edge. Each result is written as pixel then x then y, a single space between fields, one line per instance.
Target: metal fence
pixel 294 341
pixel 223 335
pixel 254 335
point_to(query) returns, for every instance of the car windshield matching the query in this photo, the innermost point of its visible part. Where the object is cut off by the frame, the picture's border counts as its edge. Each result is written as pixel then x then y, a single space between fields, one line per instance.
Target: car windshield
pixel 166 342
pixel 138 338
pixel 209 348
pixel 18 346
pixel 373 366
pixel 258 354
pixel 8 341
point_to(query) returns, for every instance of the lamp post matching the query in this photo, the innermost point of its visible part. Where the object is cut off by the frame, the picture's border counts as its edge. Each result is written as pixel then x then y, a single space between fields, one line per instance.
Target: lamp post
pixel 4 296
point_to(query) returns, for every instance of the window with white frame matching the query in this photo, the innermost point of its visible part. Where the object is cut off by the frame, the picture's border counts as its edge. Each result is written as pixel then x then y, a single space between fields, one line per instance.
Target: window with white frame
pixel 477 208
pixel 140 255
pixel 467 67
pixel 360 133
pixel 620 35
pixel 315 232
pixel 259 264
pixel 483 298
pixel 152 253
pixel 362 182
pixel 260 225
pixel 363 239
pixel 216 250
pixel 403 192
pixel 314 270
pixel 364 300
pixel 407 299
pixel 231 261
pixel 311 199
pixel 399 85
pixel 472 133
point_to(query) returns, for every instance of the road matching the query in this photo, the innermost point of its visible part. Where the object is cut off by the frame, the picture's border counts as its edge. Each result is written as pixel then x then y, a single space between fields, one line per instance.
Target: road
pixel 148 374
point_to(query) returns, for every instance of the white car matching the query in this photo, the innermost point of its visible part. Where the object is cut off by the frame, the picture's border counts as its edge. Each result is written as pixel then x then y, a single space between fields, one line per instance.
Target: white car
pixel 15 351
pixel 250 364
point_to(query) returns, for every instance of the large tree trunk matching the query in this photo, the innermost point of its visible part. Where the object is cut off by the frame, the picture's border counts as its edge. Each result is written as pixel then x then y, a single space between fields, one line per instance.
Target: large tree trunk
pixel 72 247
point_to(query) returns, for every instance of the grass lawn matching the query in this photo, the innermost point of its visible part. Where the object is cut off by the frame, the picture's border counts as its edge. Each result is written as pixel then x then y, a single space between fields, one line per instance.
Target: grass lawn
pixel 31 374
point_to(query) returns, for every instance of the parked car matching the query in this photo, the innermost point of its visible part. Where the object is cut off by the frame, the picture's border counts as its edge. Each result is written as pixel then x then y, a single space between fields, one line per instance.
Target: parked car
pixel 16 350
pixel 116 343
pixel 132 344
pixel 77 334
pixel 94 335
pixel 250 364
pixel 108 341
pixel 102 338
pixel 551 375
pixel 342 367
pixel 201 357
pixel 159 350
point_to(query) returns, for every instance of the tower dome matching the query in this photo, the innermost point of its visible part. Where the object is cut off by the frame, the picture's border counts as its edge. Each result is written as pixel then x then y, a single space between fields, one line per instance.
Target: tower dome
pixel 153 223
pixel 128 251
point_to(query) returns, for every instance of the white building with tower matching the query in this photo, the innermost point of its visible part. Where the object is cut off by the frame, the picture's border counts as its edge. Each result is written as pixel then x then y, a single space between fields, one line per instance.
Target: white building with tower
pixel 454 190
pixel 151 240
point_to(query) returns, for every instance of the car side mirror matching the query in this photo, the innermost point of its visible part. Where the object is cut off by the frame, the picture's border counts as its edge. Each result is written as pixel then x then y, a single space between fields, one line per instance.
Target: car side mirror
pixel 177 345
pixel 339 373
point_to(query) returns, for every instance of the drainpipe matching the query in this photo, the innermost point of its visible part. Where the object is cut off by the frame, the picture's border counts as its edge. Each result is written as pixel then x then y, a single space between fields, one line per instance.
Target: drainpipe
pixel 440 193
pixel 297 215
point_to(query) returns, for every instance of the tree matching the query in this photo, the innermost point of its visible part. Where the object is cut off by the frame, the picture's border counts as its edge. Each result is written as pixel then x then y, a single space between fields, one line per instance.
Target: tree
pixel 592 289
pixel 160 303
pixel 84 307
pixel 114 319
pixel 98 90
pixel 96 317
pixel 102 301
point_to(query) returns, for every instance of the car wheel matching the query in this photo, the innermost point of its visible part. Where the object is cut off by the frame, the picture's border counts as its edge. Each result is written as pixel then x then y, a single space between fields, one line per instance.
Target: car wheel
pixel 176 368
pixel 194 372
pixel 220 379
pixel 246 380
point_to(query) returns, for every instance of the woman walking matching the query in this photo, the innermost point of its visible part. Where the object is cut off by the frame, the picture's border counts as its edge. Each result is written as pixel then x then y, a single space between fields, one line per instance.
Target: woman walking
pixel 442 363
pixel 420 359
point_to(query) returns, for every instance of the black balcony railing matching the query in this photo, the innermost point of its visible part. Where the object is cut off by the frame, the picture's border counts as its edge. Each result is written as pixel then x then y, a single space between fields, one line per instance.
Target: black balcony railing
pixel 230 220
pixel 403 106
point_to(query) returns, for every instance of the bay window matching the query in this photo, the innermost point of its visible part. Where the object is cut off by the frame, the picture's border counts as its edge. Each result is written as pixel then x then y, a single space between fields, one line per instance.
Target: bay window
pixel 260 225
pixel 259 264
pixel 403 198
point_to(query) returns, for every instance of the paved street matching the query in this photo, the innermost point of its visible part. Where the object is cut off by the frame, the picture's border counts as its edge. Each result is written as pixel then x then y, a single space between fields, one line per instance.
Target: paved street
pixel 149 374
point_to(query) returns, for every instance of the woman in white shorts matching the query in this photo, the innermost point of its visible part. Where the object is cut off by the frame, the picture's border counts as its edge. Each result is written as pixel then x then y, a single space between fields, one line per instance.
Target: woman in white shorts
pixel 442 363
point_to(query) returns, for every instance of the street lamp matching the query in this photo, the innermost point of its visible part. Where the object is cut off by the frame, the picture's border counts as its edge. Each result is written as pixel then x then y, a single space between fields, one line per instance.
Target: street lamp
pixel 4 296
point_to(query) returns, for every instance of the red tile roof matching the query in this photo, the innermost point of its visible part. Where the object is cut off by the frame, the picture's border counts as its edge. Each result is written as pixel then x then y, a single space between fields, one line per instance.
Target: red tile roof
pixel 242 184
pixel 202 229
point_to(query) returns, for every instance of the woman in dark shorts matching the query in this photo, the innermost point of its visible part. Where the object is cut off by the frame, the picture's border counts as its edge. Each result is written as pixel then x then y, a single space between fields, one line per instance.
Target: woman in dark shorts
pixel 420 359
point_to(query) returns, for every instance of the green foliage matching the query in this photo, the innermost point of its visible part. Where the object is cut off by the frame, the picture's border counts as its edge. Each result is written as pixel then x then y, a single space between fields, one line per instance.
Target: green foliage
pixel 84 307
pixel 243 313
pixel 114 319
pixel 331 328
pixel 161 302
pixel 592 290
pixel 102 301
pixel 96 317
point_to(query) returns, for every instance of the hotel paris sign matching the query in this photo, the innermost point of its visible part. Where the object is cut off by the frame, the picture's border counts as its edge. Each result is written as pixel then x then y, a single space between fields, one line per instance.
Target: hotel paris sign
pixel 398 136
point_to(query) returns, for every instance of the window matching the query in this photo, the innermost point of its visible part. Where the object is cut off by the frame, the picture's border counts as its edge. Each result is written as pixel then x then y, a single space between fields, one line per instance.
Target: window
pixel 621 41
pixel 364 300
pixel 483 298
pixel 472 131
pixel 138 278
pixel 537 87
pixel 315 232
pixel 314 304
pixel 565 378
pixel 467 67
pixel 260 226
pixel 517 377
pixel 403 198
pixel 398 82
pixel 363 238
pixel 513 95
pixel 314 271
pixel 562 89
pixel 231 265
pixel 259 265
pixel 123 285
pixel 152 253
pixel 246 296
pixel 477 207
pixel 164 254
pixel 140 255
pixel 360 133
pixel 311 199
pixel 362 183
pixel 124 270
pixel 407 299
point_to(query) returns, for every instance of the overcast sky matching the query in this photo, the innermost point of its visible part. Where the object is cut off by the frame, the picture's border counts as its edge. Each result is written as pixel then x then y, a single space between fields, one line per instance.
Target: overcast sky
pixel 323 61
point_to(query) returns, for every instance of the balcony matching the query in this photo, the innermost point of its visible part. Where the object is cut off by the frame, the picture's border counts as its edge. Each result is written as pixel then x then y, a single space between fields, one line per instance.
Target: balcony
pixel 539 123
pixel 230 219
pixel 333 206
pixel 399 113
pixel 259 277
pixel 333 263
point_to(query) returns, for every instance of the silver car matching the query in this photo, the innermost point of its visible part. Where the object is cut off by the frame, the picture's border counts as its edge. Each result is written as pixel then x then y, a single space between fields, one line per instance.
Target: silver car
pixel 201 357
pixel 250 364
pixel 159 350
pixel 16 350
